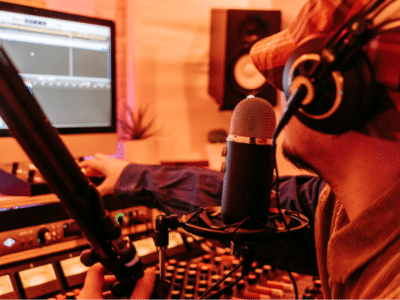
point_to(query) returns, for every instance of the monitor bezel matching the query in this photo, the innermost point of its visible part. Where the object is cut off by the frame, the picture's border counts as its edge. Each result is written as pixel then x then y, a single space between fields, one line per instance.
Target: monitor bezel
pixel 34 11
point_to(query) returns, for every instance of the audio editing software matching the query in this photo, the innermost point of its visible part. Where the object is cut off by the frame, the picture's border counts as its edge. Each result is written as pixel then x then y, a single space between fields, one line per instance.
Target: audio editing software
pixel 40 247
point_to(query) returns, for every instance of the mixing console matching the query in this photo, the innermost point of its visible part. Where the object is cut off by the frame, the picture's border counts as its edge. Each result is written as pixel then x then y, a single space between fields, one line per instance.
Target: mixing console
pixel 190 279
pixel 40 246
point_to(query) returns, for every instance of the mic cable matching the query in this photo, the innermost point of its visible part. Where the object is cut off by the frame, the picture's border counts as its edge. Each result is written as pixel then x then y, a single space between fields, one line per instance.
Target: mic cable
pixel 222 280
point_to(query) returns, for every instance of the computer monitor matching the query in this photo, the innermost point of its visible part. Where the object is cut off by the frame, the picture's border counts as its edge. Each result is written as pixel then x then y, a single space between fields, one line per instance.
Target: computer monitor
pixel 68 62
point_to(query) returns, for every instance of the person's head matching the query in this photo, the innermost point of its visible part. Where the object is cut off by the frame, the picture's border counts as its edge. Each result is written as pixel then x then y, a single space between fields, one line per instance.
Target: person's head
pixel 309 147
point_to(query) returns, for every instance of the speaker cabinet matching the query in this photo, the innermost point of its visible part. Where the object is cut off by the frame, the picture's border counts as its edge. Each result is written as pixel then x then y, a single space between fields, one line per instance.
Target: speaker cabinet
pixel 232 75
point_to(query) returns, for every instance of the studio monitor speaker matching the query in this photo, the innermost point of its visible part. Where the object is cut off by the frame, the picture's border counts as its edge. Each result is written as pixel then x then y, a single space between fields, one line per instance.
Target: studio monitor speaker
pixel 232 75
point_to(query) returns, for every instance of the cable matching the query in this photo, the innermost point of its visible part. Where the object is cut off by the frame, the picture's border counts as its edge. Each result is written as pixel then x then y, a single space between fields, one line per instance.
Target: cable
pixel 220 292
pixel 278 205
pixel 296 292
pixel 288 114
pixel 221 280
pixel 359 15
pixel 293 104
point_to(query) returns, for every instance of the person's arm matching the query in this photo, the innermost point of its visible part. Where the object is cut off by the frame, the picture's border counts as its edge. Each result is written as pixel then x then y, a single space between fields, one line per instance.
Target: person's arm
pixel 178 190
pixel 173 190
pixel 170 189
pixel 104 166
pixel 181 189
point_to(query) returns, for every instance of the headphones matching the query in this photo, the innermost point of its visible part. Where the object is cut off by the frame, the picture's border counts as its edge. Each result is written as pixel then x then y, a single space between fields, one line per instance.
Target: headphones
pixel 329 81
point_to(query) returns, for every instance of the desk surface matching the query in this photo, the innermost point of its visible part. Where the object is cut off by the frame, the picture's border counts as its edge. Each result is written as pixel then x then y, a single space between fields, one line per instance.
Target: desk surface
pixel 13 201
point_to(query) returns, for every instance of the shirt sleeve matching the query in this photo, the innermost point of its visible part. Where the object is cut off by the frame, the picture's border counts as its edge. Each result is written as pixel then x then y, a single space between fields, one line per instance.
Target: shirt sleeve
pixel 179 190
pixel 173 190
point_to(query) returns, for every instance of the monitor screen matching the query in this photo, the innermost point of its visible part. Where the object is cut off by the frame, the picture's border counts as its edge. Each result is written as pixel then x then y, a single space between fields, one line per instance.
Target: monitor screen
pixel 68 63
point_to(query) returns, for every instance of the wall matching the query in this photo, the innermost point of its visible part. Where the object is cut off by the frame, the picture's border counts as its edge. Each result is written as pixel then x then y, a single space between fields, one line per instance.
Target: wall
pixel 170 45
pixel 162 64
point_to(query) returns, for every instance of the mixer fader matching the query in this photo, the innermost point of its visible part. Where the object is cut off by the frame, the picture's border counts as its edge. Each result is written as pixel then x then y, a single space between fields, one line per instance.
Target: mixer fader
pixel 190 279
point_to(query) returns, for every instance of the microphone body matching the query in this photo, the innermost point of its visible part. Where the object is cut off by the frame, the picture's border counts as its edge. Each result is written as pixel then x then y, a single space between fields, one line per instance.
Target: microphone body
pixel 249 164
pixel 247 184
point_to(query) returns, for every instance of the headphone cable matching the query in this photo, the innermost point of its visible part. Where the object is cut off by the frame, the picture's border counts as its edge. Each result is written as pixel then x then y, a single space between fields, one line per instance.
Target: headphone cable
pixel 278 205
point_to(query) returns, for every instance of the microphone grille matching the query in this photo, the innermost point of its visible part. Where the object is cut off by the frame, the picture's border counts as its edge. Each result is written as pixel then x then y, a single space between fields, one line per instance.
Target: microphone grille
pixel 253 117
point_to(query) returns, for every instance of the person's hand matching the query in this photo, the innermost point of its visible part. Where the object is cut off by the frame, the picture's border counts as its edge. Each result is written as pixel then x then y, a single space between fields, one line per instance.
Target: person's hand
pixel 104 166
pixel 96 282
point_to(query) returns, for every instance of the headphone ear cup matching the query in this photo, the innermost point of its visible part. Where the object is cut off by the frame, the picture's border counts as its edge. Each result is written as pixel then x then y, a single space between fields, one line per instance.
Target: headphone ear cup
pixel 343 101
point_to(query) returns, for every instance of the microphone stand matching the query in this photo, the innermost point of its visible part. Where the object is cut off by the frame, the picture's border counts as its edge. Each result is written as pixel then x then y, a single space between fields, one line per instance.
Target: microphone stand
pixel 164 223
pixel 32 129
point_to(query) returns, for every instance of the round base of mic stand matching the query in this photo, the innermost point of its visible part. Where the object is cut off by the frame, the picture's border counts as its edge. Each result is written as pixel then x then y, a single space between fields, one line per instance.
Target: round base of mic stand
pixel 206 222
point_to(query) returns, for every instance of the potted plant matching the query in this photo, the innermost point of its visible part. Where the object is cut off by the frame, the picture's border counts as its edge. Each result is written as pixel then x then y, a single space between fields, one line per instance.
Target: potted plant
pixel 139 142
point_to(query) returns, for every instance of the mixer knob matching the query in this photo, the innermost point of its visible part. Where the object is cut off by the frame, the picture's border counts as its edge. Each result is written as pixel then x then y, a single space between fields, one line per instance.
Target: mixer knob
pixel 206 258
pixel 252 279
pixel 181 271
pixel 258 272
pixel 201 291
pixel 188 296
pixel 179 278
pixel 31 173
pixel 267 269
pixel 235 262
pixel 317 283
pixel 192 277
pixel 182 264
pixel 192 274
pixel 204 271
pixel 171 269
pixel 215 278
pixel 217 260
pixel 228 281
pixel 70 295
pixel 172 262
pixel 123 220
pixel 44 236
pixel 241 285
pixel 175 294
pixel 203 284
pixel 189 289
pixel 308 296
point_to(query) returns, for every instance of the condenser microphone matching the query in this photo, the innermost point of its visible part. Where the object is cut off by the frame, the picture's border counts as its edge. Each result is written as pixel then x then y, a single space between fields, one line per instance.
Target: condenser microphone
pixel 249 164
